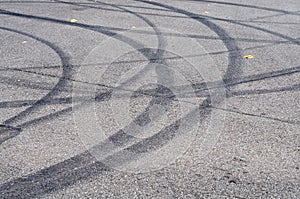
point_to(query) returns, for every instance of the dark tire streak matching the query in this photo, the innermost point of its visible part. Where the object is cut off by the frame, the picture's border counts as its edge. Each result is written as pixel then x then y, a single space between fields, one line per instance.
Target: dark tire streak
pixel 66 73
pixel 249 6
pixel 56 89
pixel 234 69
pixel 67 68
pixel 48 176
pixel 83 166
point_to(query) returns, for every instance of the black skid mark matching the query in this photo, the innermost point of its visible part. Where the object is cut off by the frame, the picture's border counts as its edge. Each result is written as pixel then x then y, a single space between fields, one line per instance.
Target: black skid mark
pixel 249 6
pixel 65 174
pixel 7 132
pixel 67 72
pixel 67 69
pixel 234 70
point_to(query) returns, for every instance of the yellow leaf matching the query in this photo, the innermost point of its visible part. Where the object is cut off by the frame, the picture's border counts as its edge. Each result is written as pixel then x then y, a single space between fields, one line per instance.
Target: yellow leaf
pixel 73 20
pixel 248 57
pixel 133 27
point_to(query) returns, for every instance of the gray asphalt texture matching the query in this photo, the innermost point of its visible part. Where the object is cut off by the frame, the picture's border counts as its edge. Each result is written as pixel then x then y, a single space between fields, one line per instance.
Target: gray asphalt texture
pixel 257 153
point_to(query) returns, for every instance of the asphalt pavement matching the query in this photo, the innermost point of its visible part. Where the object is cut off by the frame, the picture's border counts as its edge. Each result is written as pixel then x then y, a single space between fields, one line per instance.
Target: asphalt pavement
pixel 150 99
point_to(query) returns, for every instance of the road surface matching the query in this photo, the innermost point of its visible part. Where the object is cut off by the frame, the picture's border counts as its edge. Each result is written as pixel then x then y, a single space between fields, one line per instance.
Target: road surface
pixel 150 99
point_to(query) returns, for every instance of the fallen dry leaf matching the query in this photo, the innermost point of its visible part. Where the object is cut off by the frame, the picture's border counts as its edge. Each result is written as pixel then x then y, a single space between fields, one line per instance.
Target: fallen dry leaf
pixel 248 57
pixel 73 20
